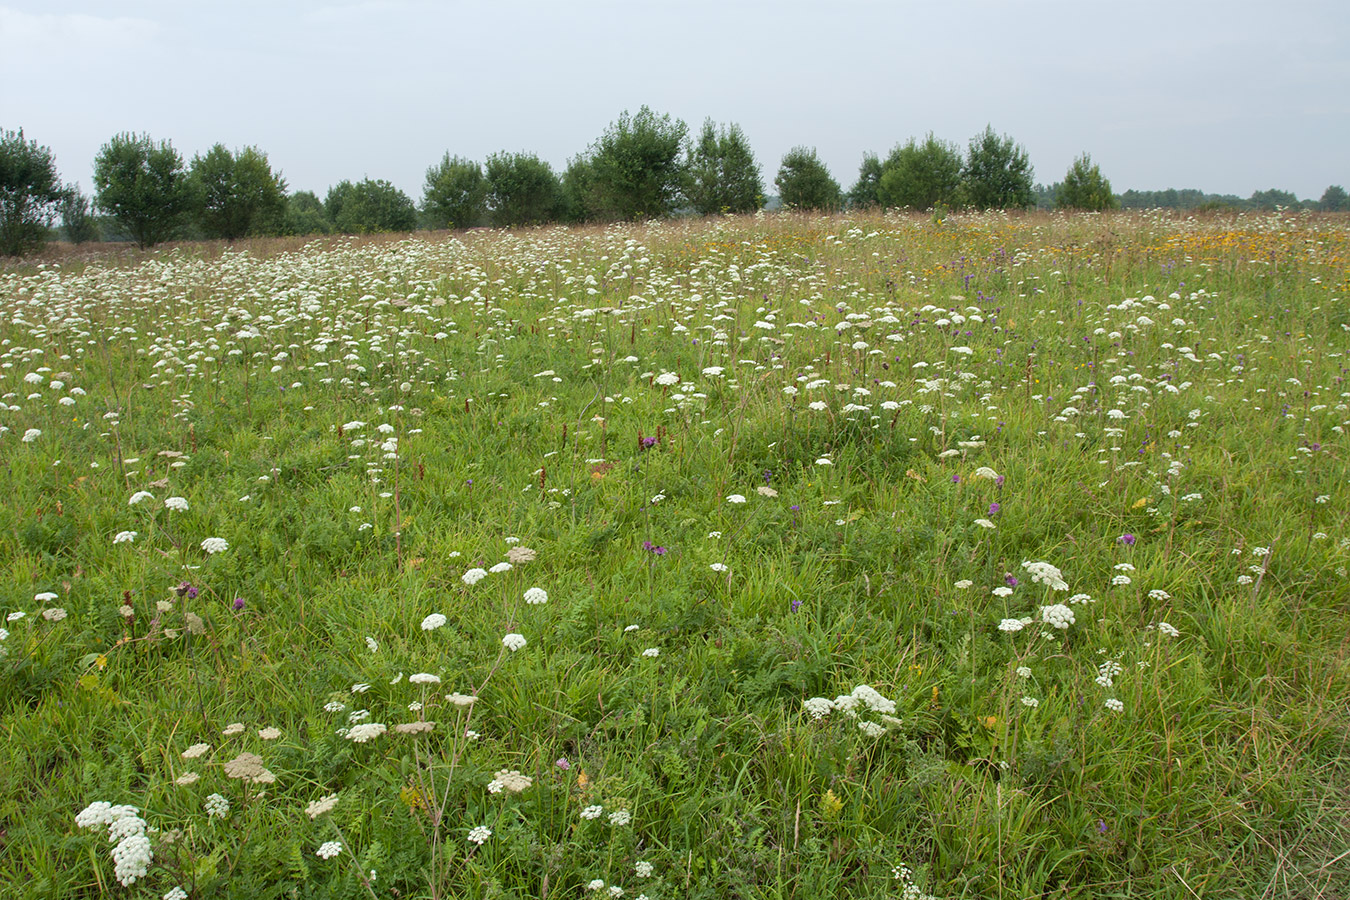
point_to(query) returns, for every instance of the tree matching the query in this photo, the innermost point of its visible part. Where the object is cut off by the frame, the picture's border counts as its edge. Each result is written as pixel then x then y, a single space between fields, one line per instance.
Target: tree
pixel 804 183
pixel 1084 187
pixel 369 206
pixel 997 173
pixel 521 190
pixel 236 194
pixel 723 174
pixel 578 184
pixel 143 187
pixel 637 168
pixel 30 193
pixel 76 219
pixel 1334 199
pixel 305 214
pixel 1269 200
pixel 921 176
pixel 863 195
pixel 455 194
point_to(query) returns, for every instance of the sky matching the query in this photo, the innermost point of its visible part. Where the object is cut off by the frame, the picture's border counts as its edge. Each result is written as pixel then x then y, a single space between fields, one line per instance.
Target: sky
pixel 1228 97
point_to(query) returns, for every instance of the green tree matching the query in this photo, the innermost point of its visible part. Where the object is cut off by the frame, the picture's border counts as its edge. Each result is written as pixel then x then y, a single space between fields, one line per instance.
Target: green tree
pixel 369 206
pixel 455 195
pixel 1334 199
pixel 76 219
pixel 997 173
pixel 921 176
pixel 1269 200
pixel 803 182
pixel 30 194
pixel 305 214
pixel 522 189
pixel 578 185
pixel 1084 187
pixel 236 194
pixel 863 195
pixel 637 168
pixel 723 174
pixel 143 186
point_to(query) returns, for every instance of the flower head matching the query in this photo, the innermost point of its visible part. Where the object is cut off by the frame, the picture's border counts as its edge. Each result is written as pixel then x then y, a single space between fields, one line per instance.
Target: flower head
pixel 513 642
pixel 215 545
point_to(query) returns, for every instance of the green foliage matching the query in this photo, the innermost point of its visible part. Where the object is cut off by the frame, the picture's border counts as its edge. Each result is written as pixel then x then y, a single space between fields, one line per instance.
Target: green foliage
pixel 455 194
pixel 1273 199
pixel 863 194
pixel 76 220
pixel 921 176
pixel 578 184
pixel 30 194
pixel 804 183
pixel 1085 188
pixel 636 169
pixel 522 189
pixel 236 194
pixel 1184 198
pixel 143 186
pixel 1334 199
pixel 723 174
pixel 369 207
pixel 305 214
pixel 997 173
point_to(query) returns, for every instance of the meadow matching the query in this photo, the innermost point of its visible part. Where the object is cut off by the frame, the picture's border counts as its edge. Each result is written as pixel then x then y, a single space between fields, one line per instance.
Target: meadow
pixel 760 557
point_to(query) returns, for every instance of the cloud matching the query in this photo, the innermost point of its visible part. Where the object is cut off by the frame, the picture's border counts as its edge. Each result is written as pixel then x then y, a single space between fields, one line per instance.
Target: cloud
pixel 53 40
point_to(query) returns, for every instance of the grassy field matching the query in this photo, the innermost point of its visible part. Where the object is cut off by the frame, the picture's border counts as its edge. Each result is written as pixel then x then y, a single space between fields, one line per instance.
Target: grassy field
pixel 992 557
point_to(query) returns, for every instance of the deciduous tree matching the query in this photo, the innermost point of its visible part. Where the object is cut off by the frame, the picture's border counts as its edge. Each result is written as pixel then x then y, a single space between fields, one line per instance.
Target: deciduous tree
pixel 997 173
pixel 237 194
pixel 369 206
pixel 723 174
pixel 803 182
pixel 1084 187
pixel 637 169
pixel 143 186
pixel 522 189
pixel 30 194
pixel 921 175
pixel 455 195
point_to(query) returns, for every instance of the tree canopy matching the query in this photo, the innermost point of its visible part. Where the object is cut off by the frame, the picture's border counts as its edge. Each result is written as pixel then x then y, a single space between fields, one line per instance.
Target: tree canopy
pixel 237 194
pixel 637 168
pixel 997 173
pixel 455 194
pixel 1084 187
pixel 804 183
pixel 723 174
pixel 369 206
pixel 921 175
pixel 143 186
pixel 30 194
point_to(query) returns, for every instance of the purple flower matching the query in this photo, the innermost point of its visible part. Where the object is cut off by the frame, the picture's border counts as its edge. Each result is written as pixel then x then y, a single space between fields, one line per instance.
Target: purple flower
pixel 238 603
pixel 659 551
pixel 1101 826
pixel 956 479
pixel 191 593
pixel 563 764
pixel 796 605
pixel 647 545
pixel 1010 580
pixel 1000 479
pixel 1127 539
pixel 994 508
pixel 648 443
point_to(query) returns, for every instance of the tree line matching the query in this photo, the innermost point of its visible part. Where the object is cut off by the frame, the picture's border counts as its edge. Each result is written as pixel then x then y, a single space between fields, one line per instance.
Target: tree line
pixel 643 166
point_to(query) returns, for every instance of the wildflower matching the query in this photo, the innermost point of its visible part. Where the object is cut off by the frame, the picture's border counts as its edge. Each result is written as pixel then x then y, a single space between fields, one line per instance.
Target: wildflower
pixel 1077 599
pixel 513 642
pixel 125 537
pixel 1159 595
pixel 215 545
pixel 1057 615
pixel 55 614
pixel 359 734
pixel 217 807
pixel 1114 705
pixel 371 644
pixel 269 734
pixel 1023 672
pixel 419 727
pixel 245 766
pixel 1127 539
pixel 518 555
pixel 652 652
pixel 642 869
pixel 459 699
pixel 432 622
pixel 666 379
pixel 424 678
pixel 500 567
pixel 735 498
pixel 562 763
pixel 818 707
pixel 985 472
pixel 1168 630
pixel 232 729
pixel 985 523
pixel 1046 574
pixel 719 567
pixel 1031 702
pixel 473 576
pixel 620 817
pixel 1119 580
pixel 139 496
pixel 963 584
pixel 176 893
pixel 178 504
pixel 333 706
pixel 480 834
pixel 360 687
pixel 318 807
pixel 512 780
pixel 592 812
pixel 535 596
pixel 329 849
pixel 31 435
pixel 1002 591
pixel 186 779
pixel 597 884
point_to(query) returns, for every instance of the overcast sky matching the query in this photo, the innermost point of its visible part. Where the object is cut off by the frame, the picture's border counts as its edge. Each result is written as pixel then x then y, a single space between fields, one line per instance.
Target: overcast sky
pixel 1227 97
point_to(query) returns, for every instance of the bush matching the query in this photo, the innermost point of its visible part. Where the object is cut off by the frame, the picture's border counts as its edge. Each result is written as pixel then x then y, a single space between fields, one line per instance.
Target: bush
pixel 636 168
pixel 76 220
pixel 455 194
pixel 30 194
pixel 1084 187
pixel 864 192
pixel 522 189
pixel 143 187
pixel 368 207
pixel 997 173
pixel 305 214
pixel 804 183
pixel 921 176
pixel 723 174
pixel 236 195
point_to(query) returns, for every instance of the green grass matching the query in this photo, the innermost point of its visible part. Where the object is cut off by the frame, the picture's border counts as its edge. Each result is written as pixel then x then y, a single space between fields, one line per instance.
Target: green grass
pixel 518 373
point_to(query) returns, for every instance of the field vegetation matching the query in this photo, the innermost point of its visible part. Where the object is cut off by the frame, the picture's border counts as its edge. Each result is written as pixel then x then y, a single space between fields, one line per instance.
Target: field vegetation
pixel 770 556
